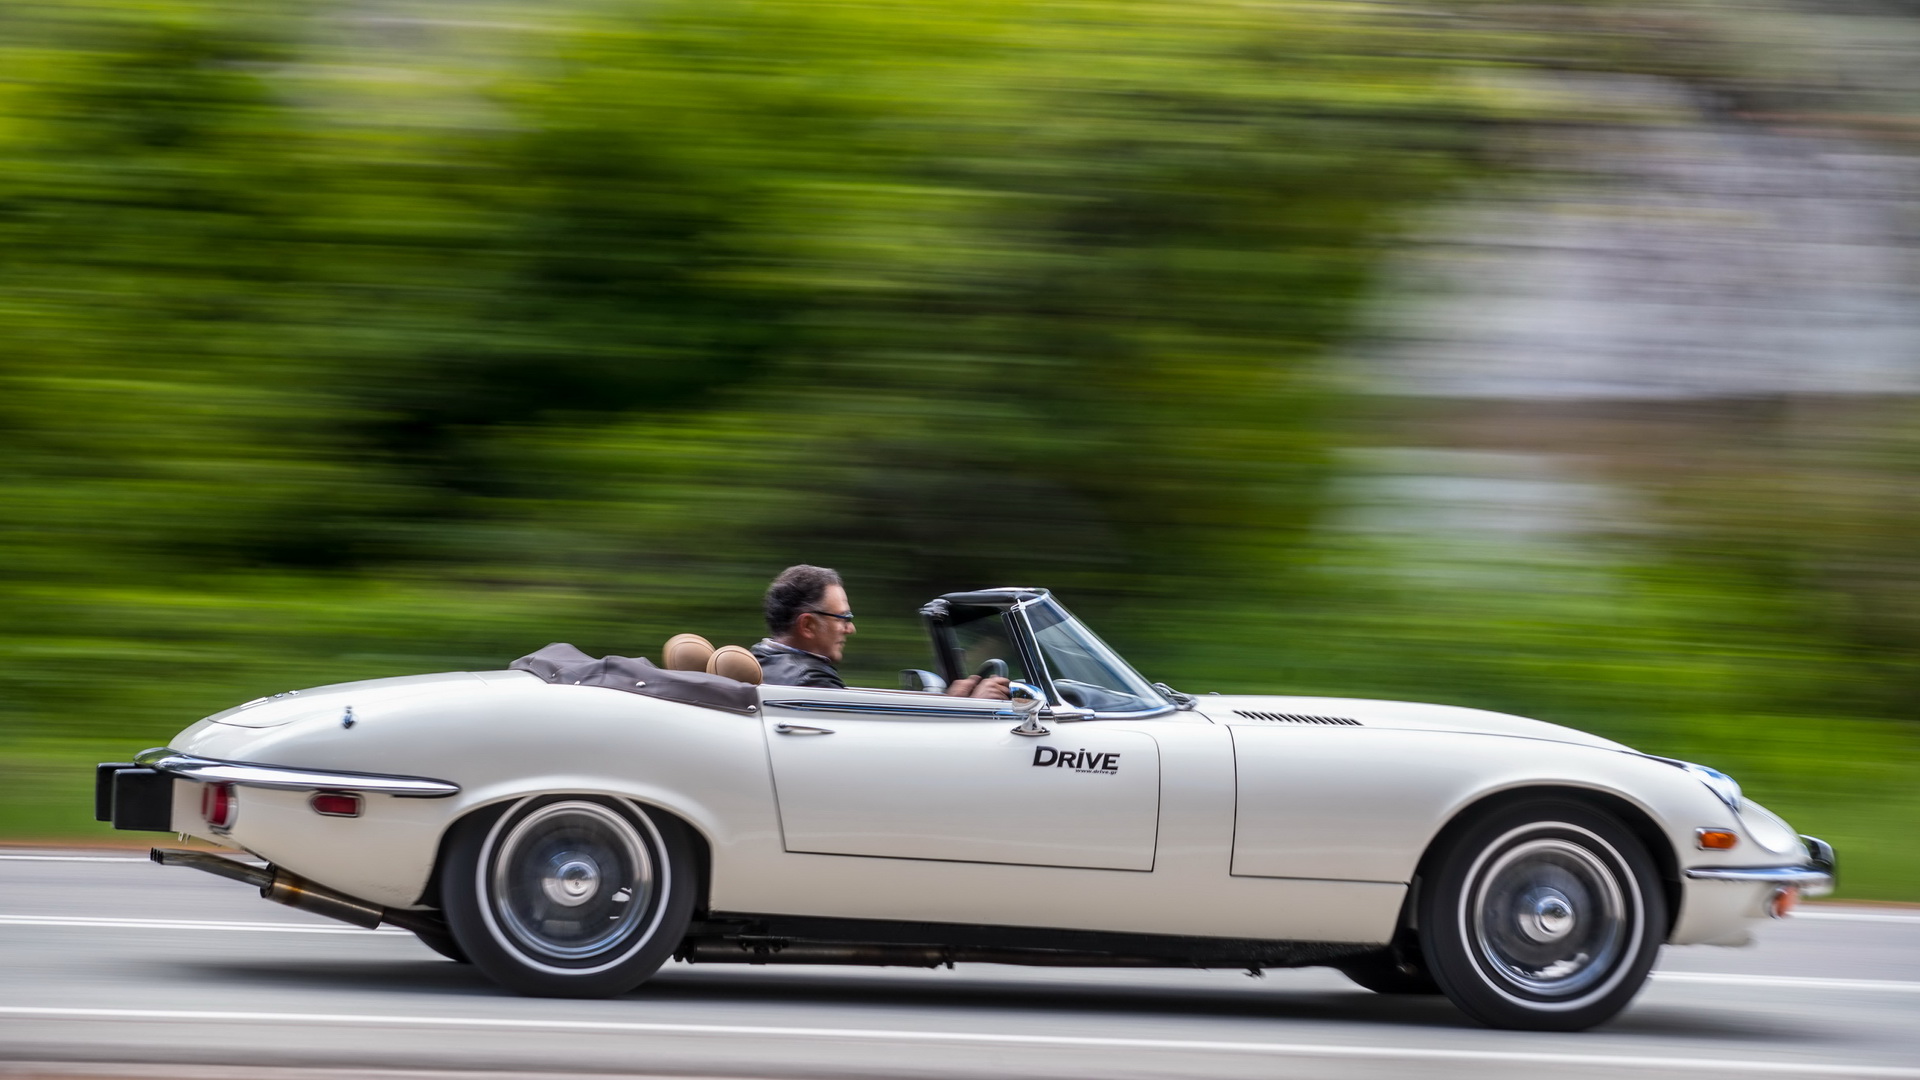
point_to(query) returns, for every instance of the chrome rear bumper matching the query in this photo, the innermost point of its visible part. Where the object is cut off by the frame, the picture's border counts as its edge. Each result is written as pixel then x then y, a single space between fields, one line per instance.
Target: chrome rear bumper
pixel 246 774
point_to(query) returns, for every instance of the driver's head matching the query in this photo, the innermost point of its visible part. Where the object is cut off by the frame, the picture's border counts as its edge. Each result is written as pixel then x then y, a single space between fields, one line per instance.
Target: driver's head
pixel 807 608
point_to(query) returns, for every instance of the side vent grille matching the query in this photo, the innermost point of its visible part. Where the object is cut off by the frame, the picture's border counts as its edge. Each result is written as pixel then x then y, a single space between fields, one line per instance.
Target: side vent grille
pixel 1297 718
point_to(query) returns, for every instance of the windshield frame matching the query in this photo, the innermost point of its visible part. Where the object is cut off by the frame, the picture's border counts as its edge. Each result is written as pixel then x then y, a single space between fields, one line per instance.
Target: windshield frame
pixel 1018 614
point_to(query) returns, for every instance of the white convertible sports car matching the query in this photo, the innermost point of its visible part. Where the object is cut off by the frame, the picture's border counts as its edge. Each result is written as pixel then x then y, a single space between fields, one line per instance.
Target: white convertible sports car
pixel 570 824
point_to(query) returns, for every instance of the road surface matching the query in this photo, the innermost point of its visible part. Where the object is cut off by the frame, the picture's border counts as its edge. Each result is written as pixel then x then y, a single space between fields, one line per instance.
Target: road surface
pixel 111 966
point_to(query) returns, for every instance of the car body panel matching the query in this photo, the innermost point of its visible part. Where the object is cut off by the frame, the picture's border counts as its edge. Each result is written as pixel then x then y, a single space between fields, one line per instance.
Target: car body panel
pixel 1363 804
pixel 291 705
pixel 501 737
pixel 956 783
pixel 1188 891
pixel 1391 715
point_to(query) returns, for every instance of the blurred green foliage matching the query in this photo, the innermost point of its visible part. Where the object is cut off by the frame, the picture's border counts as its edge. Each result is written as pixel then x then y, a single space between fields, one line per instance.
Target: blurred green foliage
pixel 333 350
pixel 304 362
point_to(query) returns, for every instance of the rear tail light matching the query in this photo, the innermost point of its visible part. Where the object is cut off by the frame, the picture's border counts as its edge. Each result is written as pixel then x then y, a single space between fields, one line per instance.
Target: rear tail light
pixel 335 804
pixel 218 806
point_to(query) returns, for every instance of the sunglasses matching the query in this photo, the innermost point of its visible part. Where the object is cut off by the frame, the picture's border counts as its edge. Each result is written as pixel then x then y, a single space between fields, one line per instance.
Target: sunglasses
pixel 847 618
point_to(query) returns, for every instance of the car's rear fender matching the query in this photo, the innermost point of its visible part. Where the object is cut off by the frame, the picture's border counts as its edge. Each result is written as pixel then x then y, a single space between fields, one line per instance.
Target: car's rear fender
pixel 702 848
pixel 497 741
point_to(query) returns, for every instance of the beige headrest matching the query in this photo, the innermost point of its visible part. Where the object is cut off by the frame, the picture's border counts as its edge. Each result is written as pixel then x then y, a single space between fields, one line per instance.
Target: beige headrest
pixel 686 652
pixel 736 663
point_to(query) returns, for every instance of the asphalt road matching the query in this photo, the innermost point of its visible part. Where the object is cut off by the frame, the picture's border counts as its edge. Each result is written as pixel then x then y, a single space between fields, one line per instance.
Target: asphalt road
pixel 111 966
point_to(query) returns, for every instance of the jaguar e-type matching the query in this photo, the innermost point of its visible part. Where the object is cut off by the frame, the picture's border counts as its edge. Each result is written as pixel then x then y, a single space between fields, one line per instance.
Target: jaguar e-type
pixel 570 824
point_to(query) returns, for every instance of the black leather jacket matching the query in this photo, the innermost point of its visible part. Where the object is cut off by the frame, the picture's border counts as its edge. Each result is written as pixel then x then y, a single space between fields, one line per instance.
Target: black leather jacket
pixel 784 665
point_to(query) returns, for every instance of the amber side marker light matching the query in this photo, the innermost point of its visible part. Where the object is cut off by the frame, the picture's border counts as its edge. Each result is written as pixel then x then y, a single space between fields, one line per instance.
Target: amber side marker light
pixel 335 804
pixel 1780 904
pixel 1715 839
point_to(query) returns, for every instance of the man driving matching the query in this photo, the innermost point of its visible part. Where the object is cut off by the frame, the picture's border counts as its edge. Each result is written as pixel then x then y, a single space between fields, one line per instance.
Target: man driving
pixel 808 622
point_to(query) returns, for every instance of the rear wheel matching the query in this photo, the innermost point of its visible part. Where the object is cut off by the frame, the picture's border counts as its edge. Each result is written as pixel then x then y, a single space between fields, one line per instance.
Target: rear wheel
pixel 1545 915
pixel 569 896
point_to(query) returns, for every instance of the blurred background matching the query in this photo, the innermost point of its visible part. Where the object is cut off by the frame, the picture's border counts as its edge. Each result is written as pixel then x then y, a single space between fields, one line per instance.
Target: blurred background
pixel 1555 358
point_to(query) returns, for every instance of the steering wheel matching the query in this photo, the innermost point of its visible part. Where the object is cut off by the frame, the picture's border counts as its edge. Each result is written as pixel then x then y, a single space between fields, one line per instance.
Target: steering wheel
pixel 992 669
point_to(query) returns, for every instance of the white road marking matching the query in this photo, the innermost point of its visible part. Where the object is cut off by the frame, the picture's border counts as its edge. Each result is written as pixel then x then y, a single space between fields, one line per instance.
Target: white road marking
pixel 1855 916
pixel 74 858
pixel 192 924
pixel 1798 982
pixel 1328 1050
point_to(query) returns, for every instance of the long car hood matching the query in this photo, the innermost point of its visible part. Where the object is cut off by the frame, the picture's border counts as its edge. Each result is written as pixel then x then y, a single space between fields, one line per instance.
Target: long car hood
pixel 1277 711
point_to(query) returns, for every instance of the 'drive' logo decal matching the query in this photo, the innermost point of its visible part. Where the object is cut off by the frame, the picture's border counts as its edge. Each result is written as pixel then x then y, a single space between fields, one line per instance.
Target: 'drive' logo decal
pixel 1045 757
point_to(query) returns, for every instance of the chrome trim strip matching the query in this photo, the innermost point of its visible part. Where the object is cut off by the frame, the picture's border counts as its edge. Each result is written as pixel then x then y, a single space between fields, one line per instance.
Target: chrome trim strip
pixel 1813 880
pixel 247 774
pixel 1143 714
pixel 1063 714
pixel 955 711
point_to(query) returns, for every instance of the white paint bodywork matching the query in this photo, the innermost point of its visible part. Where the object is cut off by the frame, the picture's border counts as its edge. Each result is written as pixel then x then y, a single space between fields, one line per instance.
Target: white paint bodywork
pixel 966 790
pixel 1202 822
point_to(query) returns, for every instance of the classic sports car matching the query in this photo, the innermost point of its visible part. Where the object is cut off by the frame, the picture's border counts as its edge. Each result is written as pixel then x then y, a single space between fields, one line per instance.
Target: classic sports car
pixel 569 824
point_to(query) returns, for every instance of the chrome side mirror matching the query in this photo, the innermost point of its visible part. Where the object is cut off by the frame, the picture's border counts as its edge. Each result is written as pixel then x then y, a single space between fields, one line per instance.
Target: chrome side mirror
pixel 925 682
pixel 1025 700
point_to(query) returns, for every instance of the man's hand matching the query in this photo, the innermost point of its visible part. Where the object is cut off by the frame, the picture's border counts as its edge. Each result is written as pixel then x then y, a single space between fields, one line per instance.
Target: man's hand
pixel 997 686
pixel 974 686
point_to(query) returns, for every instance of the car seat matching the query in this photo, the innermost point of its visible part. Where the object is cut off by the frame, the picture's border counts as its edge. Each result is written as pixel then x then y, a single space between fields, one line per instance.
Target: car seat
pixel 686 652
pixel 736 663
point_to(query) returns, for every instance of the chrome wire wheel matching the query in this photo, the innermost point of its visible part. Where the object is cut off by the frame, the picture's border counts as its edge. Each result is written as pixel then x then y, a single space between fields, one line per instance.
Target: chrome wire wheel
pixel 571 882
pixel 1549 917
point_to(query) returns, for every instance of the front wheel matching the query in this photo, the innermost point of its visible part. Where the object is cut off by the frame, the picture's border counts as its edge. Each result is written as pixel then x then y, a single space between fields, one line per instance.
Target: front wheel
pixel 569 896
pixel 1545 916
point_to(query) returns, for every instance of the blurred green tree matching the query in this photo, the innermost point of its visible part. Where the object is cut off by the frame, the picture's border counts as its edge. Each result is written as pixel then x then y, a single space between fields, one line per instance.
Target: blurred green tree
pixel 670 298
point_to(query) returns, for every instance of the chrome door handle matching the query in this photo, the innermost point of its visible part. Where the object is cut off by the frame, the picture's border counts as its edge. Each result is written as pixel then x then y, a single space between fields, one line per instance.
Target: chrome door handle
pixel 801 729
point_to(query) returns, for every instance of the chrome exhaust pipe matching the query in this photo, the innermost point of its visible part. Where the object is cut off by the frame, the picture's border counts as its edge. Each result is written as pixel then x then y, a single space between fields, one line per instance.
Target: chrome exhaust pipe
pixel 297 892
pixel 258 876
pixel 282 886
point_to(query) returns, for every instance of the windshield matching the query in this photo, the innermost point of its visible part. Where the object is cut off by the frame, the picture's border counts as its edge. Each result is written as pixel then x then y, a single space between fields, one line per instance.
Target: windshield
pixel 1086 673
pixel 982 638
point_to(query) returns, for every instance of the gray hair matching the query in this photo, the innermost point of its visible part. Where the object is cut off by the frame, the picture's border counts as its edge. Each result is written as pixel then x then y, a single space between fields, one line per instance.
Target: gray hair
pixel 797 589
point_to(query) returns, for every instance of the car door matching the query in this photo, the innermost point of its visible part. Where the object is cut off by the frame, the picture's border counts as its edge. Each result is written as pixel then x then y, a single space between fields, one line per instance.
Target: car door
pixel 908 775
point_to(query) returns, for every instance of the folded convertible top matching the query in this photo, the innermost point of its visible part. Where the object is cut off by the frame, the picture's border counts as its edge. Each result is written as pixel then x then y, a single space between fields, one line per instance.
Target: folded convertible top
pixel 562 663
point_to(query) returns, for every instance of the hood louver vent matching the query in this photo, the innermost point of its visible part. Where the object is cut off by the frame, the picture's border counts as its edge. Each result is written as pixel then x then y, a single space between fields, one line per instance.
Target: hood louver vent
pixel 1297 718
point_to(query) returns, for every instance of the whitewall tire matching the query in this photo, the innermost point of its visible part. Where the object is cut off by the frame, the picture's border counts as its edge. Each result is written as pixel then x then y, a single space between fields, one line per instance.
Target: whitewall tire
pixel 569 896
pixel 1544 916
